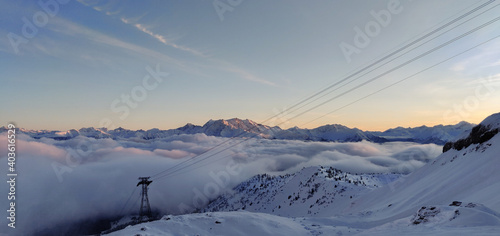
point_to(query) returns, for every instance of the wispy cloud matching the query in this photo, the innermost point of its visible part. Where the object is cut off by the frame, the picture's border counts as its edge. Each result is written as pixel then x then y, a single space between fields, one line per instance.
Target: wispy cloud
pixel 244 74
pixel 108 9
pixel 212 62
pixel 220 64
pixel 78 31
pixel 486 57
pixel 66 27
pixel 164 40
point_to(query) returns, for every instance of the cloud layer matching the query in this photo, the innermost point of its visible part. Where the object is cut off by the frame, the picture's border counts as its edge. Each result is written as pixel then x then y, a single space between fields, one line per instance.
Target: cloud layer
pixel 61 182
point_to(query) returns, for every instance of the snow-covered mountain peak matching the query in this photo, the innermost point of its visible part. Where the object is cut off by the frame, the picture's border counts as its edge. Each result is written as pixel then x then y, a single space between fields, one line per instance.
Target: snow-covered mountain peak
pixel 463 123
pixel 492 121
pixel 236 127
pixel 481 133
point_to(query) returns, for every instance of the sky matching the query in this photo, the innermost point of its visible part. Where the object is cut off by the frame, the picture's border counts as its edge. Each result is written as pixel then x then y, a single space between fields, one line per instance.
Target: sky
pixel 69 64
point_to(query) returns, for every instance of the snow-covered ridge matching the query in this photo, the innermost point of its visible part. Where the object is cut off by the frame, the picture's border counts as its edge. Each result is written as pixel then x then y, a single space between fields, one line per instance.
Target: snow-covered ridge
pixel 481 133
pixel 235 127
pixel 313 191
pixel 492 121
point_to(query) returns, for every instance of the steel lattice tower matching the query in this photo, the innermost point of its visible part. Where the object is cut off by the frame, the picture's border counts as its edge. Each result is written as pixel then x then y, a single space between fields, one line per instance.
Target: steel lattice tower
pixel 145 211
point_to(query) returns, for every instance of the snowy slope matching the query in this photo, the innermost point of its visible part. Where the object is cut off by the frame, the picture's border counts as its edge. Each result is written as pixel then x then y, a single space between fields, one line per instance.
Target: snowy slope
pixel 313 191
pixel 241 223
pixel 227 223
pixel 469 175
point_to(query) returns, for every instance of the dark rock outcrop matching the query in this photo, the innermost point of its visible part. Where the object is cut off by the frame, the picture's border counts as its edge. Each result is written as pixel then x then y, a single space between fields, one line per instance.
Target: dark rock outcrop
pixel 479 134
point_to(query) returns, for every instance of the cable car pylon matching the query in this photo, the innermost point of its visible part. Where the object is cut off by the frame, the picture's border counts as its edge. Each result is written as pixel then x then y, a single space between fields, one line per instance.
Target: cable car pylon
pixel 145 210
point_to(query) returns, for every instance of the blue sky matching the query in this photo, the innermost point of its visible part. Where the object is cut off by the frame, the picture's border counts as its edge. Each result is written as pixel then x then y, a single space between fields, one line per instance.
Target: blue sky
pixel 251 61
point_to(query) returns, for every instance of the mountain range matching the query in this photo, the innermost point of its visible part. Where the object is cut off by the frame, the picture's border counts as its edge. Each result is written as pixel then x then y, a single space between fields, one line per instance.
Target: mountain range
pixel 235 127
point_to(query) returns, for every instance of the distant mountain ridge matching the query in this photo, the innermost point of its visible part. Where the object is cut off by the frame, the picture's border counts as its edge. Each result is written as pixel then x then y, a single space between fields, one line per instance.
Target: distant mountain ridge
pixel 424 134
pixel 235 127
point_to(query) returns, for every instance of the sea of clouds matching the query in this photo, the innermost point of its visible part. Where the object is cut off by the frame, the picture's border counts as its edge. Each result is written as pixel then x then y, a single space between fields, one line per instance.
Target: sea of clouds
pixel 67 181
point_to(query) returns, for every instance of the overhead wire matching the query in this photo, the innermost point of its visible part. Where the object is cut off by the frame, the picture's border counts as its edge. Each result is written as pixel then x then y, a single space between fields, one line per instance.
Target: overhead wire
pixel 391 54
pixel 162 173
pixel 122 210
pixel 406 78
pixel 287 110
pixel 400 65
pixel 394 53
pixel 244 140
